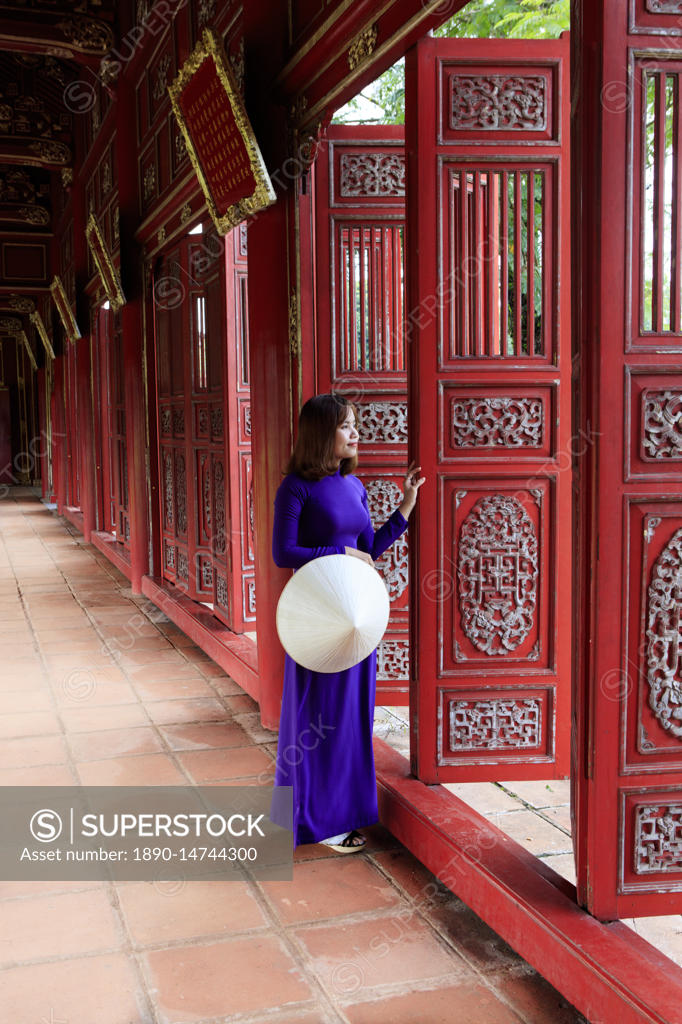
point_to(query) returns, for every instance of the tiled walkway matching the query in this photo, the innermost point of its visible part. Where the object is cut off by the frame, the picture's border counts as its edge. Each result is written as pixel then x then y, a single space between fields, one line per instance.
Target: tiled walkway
pixel 369 938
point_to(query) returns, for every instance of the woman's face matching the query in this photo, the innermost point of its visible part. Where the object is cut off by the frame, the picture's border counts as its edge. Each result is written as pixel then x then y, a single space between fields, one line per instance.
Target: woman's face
pixel 346 441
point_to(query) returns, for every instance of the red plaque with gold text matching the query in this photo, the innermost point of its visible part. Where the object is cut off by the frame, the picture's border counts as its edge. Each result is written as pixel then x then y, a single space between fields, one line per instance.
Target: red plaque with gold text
pixel 219 137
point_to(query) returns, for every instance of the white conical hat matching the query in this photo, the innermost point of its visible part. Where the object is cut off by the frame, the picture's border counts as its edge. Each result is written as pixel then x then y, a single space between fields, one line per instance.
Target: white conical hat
pixel 332 613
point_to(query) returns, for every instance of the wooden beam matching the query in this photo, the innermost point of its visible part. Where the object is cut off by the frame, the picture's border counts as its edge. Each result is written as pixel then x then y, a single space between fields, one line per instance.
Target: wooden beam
pixel 35 152
pixel 338 59
pixel 57 34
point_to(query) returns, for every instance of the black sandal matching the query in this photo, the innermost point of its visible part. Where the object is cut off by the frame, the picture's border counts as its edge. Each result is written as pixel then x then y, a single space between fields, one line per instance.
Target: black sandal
pixel 349 844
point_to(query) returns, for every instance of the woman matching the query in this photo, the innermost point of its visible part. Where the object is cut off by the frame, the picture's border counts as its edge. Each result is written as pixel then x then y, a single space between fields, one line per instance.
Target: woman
pixel 325 734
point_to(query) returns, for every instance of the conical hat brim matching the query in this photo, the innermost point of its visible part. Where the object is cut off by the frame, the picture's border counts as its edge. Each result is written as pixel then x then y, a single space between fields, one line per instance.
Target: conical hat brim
pixel 332 613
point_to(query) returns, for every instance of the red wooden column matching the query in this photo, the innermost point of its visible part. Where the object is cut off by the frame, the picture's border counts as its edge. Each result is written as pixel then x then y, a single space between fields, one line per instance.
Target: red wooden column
pixel 271 276
pixel 134 375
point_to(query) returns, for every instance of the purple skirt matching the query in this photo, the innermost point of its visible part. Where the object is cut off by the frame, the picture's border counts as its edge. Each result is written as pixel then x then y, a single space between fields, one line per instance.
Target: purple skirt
pixel 325 749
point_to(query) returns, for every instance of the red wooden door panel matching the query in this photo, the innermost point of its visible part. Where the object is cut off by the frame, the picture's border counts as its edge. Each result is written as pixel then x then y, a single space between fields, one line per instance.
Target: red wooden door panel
pixel 360 225
pixel 489 407
pixel 204 425
pixel 628 311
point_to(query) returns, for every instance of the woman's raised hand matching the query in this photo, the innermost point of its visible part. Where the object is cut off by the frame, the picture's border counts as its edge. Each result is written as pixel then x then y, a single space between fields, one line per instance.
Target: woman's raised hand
pixel 411 485
pixel 360 554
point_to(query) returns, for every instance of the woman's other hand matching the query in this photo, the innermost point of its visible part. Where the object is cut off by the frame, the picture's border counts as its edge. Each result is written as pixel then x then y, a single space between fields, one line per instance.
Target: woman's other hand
pixel 360 554
pixel 411 485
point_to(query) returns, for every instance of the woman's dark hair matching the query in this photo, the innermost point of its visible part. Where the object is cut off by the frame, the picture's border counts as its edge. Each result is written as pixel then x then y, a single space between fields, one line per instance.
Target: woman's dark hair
pixel 313 454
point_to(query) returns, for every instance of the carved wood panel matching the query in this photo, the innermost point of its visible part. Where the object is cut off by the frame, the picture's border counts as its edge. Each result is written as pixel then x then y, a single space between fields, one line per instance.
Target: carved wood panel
pixel 489 408
pixel 510 102
pixel 503 723
pixel 653 413
pixel 203 394
pixel 478 421
pixel 491 589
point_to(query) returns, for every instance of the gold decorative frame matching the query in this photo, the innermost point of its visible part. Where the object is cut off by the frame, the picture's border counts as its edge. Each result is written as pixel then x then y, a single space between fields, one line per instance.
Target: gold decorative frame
pixel 29 351
pixel 37 321
pixel 210 48
pixel 104 263
pixel 64 309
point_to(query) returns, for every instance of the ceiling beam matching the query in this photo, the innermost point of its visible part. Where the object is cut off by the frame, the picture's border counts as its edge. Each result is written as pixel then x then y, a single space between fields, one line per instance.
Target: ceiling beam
pixel 32 152
pixel 70 36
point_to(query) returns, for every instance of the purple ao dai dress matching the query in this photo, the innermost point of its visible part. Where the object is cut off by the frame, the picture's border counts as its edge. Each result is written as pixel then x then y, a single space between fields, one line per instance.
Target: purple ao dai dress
pixel 325 733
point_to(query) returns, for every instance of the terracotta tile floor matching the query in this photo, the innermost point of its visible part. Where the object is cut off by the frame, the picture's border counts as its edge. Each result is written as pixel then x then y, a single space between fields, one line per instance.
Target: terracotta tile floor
pixel 372 938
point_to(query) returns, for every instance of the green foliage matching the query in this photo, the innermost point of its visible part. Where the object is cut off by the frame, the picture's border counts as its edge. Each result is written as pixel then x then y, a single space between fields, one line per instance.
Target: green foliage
pixel 510 19
pixel 386 96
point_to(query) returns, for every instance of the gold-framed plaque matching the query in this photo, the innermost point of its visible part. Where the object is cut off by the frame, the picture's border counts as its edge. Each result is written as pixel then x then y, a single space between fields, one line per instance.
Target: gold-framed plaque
pixel 64 309
pixel 219 137
pixel 37 321
pixel 104 263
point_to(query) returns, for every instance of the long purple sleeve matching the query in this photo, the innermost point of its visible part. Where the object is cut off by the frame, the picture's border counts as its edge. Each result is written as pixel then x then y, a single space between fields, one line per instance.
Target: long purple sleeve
pixel 287 552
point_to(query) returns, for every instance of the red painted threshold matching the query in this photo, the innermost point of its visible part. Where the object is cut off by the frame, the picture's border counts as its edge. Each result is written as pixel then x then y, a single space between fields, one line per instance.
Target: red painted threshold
pixel 236 654
pixel 107 544
pixel 74 515
pixel 607 971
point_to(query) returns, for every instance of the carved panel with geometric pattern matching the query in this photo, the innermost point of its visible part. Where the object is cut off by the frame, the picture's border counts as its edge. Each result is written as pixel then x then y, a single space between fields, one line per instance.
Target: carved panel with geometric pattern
pixel 498 102
pixel 515 102
pixel 495 724
pixel 658 839
pixel 510 723
pixel 662 424
pixel 497 573
pixel 372 174
pixel 383 498
pixel 489 422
